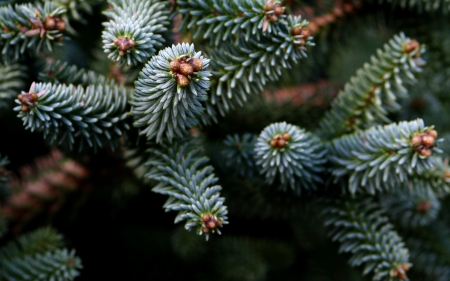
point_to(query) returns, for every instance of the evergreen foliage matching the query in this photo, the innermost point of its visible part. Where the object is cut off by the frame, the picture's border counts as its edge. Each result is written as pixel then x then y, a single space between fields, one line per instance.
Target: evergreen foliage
pixel 240 155
pixel 190 184
pixel 381 156
pixel 65 113
pixel 26 27
pixel 169 93
pixel 373 93
pixel 132 37
pixel 291 155
pixel 363 230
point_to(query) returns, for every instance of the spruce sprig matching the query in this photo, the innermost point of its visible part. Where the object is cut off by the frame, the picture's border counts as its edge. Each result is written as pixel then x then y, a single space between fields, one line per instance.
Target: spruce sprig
pixel 291 155
pixel 135 29
pixel 363 230
pixel 183 175
pixel 374 91
pixel 170 91
pixel 93 116
pixel 227 18
pixel 243 69
pixel 382 156
pixel 30 27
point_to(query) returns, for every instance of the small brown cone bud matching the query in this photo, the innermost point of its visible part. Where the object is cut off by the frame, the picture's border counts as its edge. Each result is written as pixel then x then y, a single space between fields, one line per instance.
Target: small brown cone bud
pixel 447 175
pixel 425 152
pixel 219 222
pixel 211 224
pixel 427 140
pixel 175 65
pixel 273 18
pixel 25 108
pixel 273 143
pixel 296 30
pixel 206 218
pixel 196 63
pixel 34 97
pixel 182 80
pixel 281 143
pixel 433 133
pixel 205 230
pixel 286 137
pixel 60 24
pixel 49 23
pixel 278 10
pixel 186 69
pixel 411 46
pixel 305 33
pixel 20 97
pixel 423 207
pixel 269 6
pixel 416 140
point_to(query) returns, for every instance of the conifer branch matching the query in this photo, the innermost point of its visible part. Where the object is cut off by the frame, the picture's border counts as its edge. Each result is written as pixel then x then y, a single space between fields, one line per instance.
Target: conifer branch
pixel 363 230
pixel 224 19
pixel 412 206
pixel 373 93
pixel 242 69
pixel 423 5
pixel 58 265
pixel 182 174
pixel 11 81
pixel 28 27
pixel 60 72
pixel 134 31
pixel 92 116
pixel 290 154
pixel 382 156
pixel 169 92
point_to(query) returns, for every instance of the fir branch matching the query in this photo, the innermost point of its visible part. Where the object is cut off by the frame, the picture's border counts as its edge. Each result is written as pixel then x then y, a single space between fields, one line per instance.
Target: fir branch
pixel 60 72
pixel 169 92
pixel 292 155
pixel 27 26
pixel 134 32
pixel 11 81
pixel 57 265
pixel 363 230
pixel 242 69
pixel 412 206
pixel 382 156
pixel 221 20
pixel 239 154
pixel 94 116
pixel 182 175
pixel 373 93
pixel 39 241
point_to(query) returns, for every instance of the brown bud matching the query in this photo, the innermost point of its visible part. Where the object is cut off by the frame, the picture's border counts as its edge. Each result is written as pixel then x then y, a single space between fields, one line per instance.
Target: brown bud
pixel 423 207
pixel 124 44
pixel 411 46
pixel 175 65
pixel 186 69
pixel 49 23
pixel 305 33
pixel 286 137
pixel 25 108
pixel 273 18
pixel 205 230
pixel 206 218
pixel 34 97
pixel 269 6
pixel 425 152
pixel 182 80
pixel 196 63
pixel 296 30
pixel 432 133
pixel 416 140
pixel 427 140
pixel 219 222
pixel 273 143
pixel 278 10
pixel 211 224
pixel 281 143
pixel 20 97
pixel 447 175
pixel 60 24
